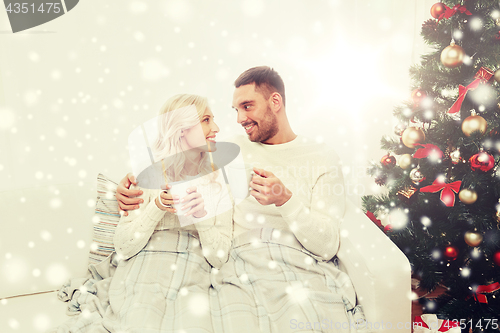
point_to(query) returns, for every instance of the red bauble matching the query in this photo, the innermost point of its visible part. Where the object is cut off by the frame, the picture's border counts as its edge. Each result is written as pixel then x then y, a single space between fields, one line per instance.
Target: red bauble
pixel 388 161
pixel 451 252
pixel 496 258
pixel 437 9
pixel 482 161
pixel 417 95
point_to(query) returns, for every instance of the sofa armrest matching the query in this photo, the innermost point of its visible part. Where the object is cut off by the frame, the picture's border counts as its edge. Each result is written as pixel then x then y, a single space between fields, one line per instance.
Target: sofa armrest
pixel 379 271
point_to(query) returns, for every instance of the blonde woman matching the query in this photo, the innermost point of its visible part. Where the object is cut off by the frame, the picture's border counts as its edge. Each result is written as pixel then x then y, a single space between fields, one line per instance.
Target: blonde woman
pixel 162 280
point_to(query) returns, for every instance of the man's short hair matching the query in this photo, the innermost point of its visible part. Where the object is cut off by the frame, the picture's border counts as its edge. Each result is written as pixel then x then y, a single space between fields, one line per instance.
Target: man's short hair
pixel 266 79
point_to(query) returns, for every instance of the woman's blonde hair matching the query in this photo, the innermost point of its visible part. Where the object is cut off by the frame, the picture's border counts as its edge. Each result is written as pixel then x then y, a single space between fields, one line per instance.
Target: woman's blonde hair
pixel 174 117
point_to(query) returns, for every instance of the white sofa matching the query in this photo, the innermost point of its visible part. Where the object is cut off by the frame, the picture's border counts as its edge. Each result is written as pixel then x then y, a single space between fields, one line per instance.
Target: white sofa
pixel 41 248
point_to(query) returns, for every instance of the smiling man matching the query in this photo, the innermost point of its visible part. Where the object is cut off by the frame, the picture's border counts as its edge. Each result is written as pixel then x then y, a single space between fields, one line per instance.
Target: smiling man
pixel 286 233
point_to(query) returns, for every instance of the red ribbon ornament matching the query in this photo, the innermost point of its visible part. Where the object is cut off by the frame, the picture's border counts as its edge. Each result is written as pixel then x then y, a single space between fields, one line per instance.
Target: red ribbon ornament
pixel 447 196
pixel 482 76
pixel 428 149
pixel 452 11
pixel 484 289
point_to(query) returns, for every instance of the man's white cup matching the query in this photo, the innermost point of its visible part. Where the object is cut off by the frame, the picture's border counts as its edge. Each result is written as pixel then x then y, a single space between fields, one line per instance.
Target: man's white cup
pixel 239 176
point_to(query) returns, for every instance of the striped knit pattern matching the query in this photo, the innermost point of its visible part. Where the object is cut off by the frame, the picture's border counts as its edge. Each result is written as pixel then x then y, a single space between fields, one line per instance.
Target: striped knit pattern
pixel 106 218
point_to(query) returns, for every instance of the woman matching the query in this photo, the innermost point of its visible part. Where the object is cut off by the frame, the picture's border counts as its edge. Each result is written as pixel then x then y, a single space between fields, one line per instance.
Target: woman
pixel 162 278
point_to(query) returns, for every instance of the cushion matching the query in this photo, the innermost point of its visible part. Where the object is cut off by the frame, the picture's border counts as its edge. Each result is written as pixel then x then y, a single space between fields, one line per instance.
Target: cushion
pixel 107 215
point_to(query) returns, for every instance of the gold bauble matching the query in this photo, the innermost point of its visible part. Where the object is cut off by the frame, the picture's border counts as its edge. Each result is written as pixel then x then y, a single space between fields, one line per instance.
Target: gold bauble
pixel 497 76
pixel 474 123
pixel 467 196
pixel 412 136
pixel 473 238
pixel 452 56
pixel 405 161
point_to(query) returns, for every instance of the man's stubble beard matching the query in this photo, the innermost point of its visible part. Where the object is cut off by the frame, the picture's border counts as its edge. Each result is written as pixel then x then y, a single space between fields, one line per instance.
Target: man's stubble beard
pixel 267 128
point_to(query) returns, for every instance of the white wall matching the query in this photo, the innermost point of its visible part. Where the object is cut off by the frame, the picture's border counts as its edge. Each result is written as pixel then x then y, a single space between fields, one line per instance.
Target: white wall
pixel 72 90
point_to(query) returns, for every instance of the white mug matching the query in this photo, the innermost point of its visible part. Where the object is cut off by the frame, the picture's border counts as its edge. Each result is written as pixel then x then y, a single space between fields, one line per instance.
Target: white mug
pixel 180 189
pixel 239 176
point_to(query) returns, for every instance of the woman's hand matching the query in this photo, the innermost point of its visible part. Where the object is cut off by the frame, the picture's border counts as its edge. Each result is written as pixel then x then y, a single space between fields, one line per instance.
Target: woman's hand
pixel 194 202
pixel 167 199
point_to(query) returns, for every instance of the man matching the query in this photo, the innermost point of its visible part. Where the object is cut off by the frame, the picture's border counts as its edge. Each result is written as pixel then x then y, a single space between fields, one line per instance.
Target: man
pixel 278 277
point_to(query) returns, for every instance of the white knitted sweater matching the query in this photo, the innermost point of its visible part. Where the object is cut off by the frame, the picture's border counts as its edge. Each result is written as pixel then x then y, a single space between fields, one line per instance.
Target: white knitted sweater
pixel 134 231
pixel 313 174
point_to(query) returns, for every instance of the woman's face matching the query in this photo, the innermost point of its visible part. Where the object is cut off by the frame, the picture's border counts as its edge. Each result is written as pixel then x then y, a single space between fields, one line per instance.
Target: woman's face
pixel 203 134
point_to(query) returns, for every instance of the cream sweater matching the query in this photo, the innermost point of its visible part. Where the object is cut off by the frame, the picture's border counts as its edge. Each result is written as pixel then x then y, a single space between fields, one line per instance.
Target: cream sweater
pixel 134 231
pixel 313 174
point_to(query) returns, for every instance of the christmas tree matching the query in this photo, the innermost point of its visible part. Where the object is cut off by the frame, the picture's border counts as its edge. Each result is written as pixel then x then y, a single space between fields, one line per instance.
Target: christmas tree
pixel 441 172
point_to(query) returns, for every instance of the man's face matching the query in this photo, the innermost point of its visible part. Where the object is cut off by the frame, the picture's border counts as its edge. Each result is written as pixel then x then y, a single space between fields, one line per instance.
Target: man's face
pixel 254 114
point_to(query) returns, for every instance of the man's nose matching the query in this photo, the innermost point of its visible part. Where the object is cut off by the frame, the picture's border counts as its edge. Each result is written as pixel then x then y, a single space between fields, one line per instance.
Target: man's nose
pixel 241 117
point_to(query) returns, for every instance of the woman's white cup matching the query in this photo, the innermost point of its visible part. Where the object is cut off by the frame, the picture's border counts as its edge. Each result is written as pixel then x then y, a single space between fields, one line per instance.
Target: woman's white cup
pixel 239 176
pixel 180 189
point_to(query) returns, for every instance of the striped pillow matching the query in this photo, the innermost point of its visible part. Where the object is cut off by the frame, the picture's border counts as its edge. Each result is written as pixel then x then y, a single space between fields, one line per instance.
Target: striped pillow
pixel 106 218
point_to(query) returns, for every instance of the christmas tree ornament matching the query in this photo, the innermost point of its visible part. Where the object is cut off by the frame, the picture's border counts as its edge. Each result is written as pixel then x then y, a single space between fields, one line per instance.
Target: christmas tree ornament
pixel 482 161
pixel 467 196
pixel 405 161
pixel 452 56
pixel 496 258
pixel 412 136
pixel 451 252
pixel 416 176
pixel 474 123
pixel 483 75
pixel 428 150
pixel 407 194
pixel 438 9
pixel 496 76
pixel 497 21
pixel 380 180
pixel 455 156
pixel 448 191
pixel 429 27
pixel 449 12
pixel 497 214
pixel 388 161
pixel 473 238
pixel 482 290
pixel 417 95
pixel 399 128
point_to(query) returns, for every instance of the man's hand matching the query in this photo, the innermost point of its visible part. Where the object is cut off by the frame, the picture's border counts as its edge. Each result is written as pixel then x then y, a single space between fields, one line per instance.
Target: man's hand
pixel 127 198
pixel 267 189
